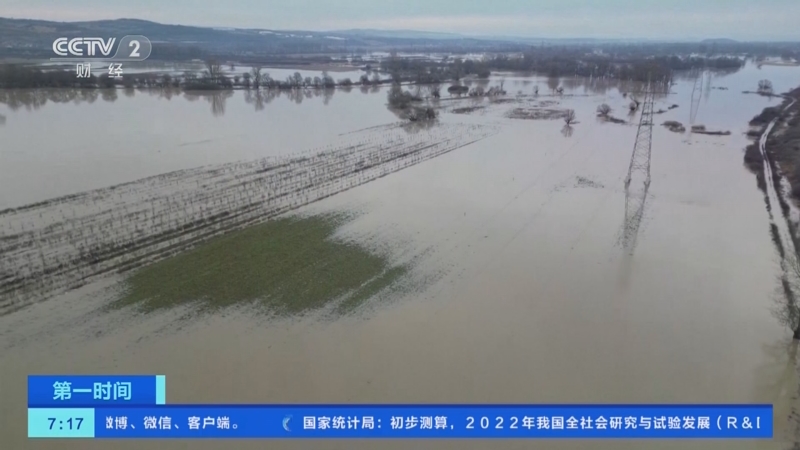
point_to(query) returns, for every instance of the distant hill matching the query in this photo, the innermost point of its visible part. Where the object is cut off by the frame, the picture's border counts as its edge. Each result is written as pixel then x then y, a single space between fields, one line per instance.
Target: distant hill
pixel 719 41
pixel 23 38
pixel 33 39
pixel 398 34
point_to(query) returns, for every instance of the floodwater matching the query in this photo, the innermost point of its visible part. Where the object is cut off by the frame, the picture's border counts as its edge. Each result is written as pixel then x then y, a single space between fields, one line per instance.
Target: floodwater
pixel 538 302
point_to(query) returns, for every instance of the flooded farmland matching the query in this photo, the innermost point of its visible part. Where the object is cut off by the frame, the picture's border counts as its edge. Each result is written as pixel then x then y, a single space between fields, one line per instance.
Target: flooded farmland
pixel 475 260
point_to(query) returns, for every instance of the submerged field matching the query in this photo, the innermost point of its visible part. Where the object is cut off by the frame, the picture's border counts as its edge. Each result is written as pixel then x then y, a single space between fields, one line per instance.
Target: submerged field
pixel 64 243
pixel 489 269
pixel 288 265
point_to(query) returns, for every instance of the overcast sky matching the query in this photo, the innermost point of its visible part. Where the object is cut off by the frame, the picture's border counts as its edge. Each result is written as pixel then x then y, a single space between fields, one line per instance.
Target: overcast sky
pixel 653 19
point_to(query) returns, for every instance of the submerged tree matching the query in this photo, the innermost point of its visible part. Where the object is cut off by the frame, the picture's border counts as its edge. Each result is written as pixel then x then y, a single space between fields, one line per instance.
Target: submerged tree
pixel 213 71
pixel 327 80
pixel 569 117
pixel 765 87
pixel 398 98
pixel 256 77
pixel 603 110
pixel 435 90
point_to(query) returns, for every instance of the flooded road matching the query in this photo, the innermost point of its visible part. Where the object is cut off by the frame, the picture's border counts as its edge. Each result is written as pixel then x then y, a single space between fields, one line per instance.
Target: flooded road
pixel 530 299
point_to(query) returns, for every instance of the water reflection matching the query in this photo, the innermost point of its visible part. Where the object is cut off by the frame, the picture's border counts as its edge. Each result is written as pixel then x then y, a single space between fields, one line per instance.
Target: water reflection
pixel 707 89
pixel 602 86
pixel 33 99
pixel 567 131
pixel 217 99
pixel 779 385
pixel 36 98
pixel 552 84
pixel 108 95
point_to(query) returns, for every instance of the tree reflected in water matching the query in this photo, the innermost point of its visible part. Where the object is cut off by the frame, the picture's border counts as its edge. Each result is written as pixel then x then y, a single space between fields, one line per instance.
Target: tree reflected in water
pixel 33 99
pixel 218 99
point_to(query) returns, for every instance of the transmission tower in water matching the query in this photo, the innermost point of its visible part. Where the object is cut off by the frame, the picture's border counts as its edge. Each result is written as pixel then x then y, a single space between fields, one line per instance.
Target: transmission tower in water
pixel 702 86
pixel 637 182
pixel 640 158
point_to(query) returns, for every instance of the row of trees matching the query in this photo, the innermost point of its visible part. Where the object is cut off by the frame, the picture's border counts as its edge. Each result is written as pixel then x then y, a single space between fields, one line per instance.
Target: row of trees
pixel 423 71
pixel 212 78
pixel 567 62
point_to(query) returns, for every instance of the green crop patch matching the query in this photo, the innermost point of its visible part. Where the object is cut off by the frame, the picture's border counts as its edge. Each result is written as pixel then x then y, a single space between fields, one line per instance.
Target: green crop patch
pixel 288 266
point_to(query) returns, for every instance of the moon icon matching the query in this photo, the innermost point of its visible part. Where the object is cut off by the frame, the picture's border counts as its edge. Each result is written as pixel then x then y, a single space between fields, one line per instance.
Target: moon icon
pixel 286 423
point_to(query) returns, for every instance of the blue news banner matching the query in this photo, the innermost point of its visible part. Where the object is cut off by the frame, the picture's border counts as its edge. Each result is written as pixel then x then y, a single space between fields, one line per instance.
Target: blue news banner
pixel 134 407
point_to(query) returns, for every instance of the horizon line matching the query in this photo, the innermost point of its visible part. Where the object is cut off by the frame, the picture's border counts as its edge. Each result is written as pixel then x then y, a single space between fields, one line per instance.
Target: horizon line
pixel 486 36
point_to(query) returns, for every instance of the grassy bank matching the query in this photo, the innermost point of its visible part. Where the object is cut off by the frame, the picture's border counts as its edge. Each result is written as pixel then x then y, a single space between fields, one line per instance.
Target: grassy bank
pixel 287 266
pixel 783 144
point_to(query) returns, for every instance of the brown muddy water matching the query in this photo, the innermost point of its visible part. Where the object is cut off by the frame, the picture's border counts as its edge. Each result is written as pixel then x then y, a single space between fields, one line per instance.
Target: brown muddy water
pixel 522 291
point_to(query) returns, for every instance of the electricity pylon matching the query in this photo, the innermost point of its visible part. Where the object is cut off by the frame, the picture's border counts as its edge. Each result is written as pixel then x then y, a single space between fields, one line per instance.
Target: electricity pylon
pixel 634 212
pixel 640 158
pixel 702 85
pixel 639 169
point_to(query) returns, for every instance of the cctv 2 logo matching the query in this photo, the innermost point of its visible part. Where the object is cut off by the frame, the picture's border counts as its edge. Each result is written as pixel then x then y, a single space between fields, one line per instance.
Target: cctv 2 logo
pixel 130 48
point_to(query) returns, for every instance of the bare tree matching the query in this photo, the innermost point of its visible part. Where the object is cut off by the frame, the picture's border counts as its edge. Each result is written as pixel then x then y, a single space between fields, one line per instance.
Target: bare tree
pixel 256 77
pixel 266 80
pixel 398 98
pixel 246 80
pixel 213 70
pixel 603 110
pixel 765 87
pixel 376 78
pixel 536 90
pixel 569 117
pixel 435 90
pixel 327 80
